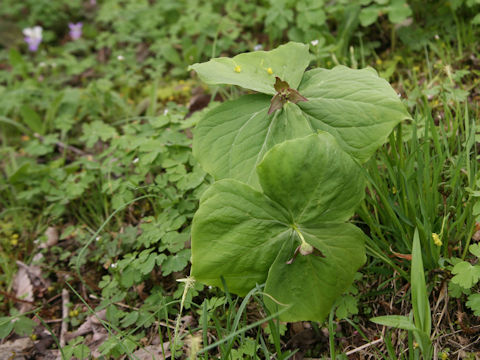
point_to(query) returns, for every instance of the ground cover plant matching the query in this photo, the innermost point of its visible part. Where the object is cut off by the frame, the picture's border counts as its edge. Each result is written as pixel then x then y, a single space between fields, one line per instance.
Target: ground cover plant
pixel 135 134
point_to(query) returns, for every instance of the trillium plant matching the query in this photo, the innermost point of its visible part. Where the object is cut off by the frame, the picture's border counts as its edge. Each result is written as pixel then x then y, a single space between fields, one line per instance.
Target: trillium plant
pixel 287 164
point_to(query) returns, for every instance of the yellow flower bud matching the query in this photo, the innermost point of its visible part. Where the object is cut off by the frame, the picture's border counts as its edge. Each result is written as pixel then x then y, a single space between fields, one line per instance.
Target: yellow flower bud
pixel 436 239
pixel 269 71
pixel 237 69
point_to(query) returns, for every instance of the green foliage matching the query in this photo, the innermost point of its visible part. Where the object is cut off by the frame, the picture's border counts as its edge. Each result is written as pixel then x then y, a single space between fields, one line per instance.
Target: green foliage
pixel 257 70
pixel 465 279
pixel 347 304
pixel 422 324
pixel 474 303
pixel 357 107
pixel 85 149
pixel 304 205
pixel 76 349
pixel 17 323
pixel 416 190
pixel 397 11
pixel 466 274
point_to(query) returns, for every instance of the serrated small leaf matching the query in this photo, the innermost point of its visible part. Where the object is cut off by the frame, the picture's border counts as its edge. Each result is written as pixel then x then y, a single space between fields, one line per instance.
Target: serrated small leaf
pixel 24 326
pixel 81 351
pixel 475 250
pixel 474 303
pixel 147 267
pixel 455 290
pixel 6 326
pixel 466 274
pixel 176 262
pixel 346 305
pixel 130 319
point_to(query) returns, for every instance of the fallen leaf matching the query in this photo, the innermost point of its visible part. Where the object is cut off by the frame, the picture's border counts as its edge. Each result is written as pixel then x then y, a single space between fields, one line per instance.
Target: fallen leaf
pixel 90 325
pixel 23 289
pixel 16 349
pixel 154 352
pixel 476 236
pixel 52 238
pixel 401 256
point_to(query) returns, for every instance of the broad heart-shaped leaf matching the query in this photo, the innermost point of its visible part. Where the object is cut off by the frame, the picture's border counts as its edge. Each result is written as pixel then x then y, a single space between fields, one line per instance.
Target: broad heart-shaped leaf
pixel 311 284
pixel 257 70
pixel 233 138
pixel 310 188
pixel 356 106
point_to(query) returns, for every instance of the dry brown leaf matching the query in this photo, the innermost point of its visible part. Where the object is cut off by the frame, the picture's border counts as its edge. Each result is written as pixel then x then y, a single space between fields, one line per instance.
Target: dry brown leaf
pixel 476 236
pixel 16 349
pixel 91 324
pixel 35 274
pixel 52 238
pixel 153 352
pixel 23 289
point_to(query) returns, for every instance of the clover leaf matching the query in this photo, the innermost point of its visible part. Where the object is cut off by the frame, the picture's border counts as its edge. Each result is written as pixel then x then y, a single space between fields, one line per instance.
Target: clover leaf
pixel 356 106
pixel 310 188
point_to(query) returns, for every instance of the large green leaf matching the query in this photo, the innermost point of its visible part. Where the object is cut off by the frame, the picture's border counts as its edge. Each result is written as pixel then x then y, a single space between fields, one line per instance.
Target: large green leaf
pixel 312 283
pixel 236 234
pixel 257 70
pixel 310 188
pixel 233 138
pixel 314 180
pixel 356 106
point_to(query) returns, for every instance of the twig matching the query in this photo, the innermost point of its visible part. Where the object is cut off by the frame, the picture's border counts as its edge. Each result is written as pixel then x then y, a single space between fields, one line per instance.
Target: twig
pixel 443 296
pixel 64 328
pixel 14 298
pixel 63 145
pixel 456 332
pixel 464 347
pixel 360 348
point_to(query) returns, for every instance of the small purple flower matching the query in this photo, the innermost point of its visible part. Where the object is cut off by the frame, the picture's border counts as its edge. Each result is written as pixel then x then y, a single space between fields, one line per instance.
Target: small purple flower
pixel 33 37
pixel 93 2
pixel 75 30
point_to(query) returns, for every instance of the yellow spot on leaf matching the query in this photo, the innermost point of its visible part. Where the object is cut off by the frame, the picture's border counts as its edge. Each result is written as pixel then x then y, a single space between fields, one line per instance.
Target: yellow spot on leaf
pixel 237 69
